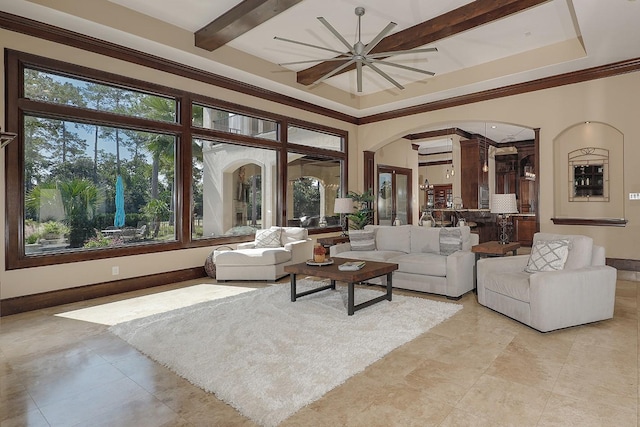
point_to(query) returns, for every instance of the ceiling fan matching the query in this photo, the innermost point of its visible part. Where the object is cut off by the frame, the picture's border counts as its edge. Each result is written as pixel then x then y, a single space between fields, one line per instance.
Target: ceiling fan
pixel 360 54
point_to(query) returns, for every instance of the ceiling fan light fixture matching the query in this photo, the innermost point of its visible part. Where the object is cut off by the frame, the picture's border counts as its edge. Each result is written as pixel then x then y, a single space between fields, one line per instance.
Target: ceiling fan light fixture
pixel 360 54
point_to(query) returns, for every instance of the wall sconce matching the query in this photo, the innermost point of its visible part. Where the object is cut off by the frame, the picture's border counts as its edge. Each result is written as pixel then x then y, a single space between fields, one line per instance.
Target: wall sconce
pixel 6 138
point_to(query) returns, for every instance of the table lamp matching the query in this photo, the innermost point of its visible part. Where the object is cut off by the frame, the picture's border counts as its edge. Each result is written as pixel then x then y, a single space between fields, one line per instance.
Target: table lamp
pixel 503 205
pixel 344 205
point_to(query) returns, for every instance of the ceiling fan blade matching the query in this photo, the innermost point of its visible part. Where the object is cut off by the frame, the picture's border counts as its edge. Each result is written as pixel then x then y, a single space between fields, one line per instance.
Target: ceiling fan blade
pixel 385 75
pixel 346 58
pixel 335 71
pixel 373 43
pixel 402 52
pixel 336 33
pixel 310 45
pixel 404 67
pixel 359 75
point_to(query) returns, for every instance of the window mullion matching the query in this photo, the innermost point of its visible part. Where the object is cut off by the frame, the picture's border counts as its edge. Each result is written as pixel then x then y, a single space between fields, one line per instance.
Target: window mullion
pixel 62 112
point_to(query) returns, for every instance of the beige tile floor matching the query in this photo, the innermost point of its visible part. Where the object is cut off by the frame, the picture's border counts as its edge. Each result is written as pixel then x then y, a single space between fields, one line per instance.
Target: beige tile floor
pixel 479 368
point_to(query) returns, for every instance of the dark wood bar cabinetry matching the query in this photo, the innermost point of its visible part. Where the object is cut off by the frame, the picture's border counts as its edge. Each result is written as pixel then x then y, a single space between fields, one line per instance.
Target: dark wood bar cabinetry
pixel 524 227
pixel 475 182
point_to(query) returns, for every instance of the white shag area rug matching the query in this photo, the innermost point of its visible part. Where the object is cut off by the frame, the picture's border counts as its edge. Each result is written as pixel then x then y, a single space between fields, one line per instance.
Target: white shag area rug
pixel 268 357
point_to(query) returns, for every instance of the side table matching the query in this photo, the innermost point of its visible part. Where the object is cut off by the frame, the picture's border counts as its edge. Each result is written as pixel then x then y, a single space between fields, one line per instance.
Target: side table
pixel 489 249
pixel 494 248
pixel 327 242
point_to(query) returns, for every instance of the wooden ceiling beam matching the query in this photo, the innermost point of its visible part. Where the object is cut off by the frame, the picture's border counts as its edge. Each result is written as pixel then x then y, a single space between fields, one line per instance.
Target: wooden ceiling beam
pixel 464 18
pixel 243 17
pixel 437 133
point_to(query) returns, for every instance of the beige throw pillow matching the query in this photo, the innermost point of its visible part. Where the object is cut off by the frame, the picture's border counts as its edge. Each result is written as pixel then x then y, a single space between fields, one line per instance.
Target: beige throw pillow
pixel 362 240
pixel 548 255
pixel 450 240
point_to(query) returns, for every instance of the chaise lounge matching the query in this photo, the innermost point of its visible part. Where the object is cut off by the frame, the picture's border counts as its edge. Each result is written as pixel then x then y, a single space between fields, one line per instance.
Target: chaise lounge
pixel 265 257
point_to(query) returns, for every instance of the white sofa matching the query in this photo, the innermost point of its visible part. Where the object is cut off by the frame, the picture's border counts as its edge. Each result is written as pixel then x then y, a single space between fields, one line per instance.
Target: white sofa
pixel 583 291
pixel 249 262
pixel 421 267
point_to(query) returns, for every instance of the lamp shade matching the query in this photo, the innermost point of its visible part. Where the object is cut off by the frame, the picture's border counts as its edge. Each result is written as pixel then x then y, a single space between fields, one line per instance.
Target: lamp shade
pixel 343 205
pixel 504 204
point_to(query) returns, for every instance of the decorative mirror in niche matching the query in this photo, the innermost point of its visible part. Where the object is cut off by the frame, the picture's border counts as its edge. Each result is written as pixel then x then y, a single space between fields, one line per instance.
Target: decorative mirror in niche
pixel 589 175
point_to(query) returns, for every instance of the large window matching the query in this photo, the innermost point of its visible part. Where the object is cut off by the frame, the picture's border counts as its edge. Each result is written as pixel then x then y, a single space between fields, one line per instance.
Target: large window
pixel 314 138
pixel 89 186
pixel 59 89
pixel 109 166
pixel 227 121
pixel 234 189
pixel 314 184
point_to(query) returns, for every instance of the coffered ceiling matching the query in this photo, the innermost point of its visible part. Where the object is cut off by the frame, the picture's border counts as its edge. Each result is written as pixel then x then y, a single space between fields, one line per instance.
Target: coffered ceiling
pixel 488 43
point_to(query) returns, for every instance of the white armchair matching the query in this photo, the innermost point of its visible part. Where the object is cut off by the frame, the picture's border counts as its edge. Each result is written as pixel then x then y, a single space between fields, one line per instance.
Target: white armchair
pixel 253 261
pixel 583 291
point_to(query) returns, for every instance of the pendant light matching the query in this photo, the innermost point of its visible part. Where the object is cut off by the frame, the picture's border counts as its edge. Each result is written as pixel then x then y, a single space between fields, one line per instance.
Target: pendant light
pixel 485 167
pixel 453 171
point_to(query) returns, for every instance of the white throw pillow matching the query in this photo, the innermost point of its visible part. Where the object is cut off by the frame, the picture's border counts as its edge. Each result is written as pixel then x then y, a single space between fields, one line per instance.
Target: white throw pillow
pixel 269 238
pixel 548 255
pixel 362 240
pixel 293 234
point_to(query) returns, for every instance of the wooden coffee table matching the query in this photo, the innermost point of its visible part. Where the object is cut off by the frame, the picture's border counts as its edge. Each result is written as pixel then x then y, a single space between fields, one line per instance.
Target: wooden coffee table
pixel 370 270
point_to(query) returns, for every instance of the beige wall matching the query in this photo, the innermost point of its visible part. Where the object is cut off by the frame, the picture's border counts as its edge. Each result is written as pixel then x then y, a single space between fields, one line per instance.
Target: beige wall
pixel 611 101
pixel 43 279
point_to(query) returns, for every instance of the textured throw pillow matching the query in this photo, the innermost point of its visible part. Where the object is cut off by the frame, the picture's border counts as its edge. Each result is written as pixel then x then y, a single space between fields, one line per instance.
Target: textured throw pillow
pixel 450 240
pixel 269 238
pixel 548 255
pixel 362 240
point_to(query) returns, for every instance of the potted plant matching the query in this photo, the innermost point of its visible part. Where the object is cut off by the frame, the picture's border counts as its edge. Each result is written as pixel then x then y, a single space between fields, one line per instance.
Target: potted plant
pixel 363 214
pixel 53 230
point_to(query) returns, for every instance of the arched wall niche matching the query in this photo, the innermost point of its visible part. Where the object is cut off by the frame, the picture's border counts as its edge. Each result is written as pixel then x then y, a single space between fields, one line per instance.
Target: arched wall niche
pixel 578 142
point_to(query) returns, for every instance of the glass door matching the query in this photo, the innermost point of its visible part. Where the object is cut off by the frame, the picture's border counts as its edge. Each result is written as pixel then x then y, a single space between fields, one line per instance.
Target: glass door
pixel 385 198
pixel 394 195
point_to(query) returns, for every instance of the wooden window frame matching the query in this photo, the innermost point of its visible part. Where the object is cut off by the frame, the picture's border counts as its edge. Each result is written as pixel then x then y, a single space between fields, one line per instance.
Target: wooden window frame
pixel 17 107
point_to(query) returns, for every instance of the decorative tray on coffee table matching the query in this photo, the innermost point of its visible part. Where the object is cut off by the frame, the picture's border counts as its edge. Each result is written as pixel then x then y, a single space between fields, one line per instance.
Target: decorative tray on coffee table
pixel 325 262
